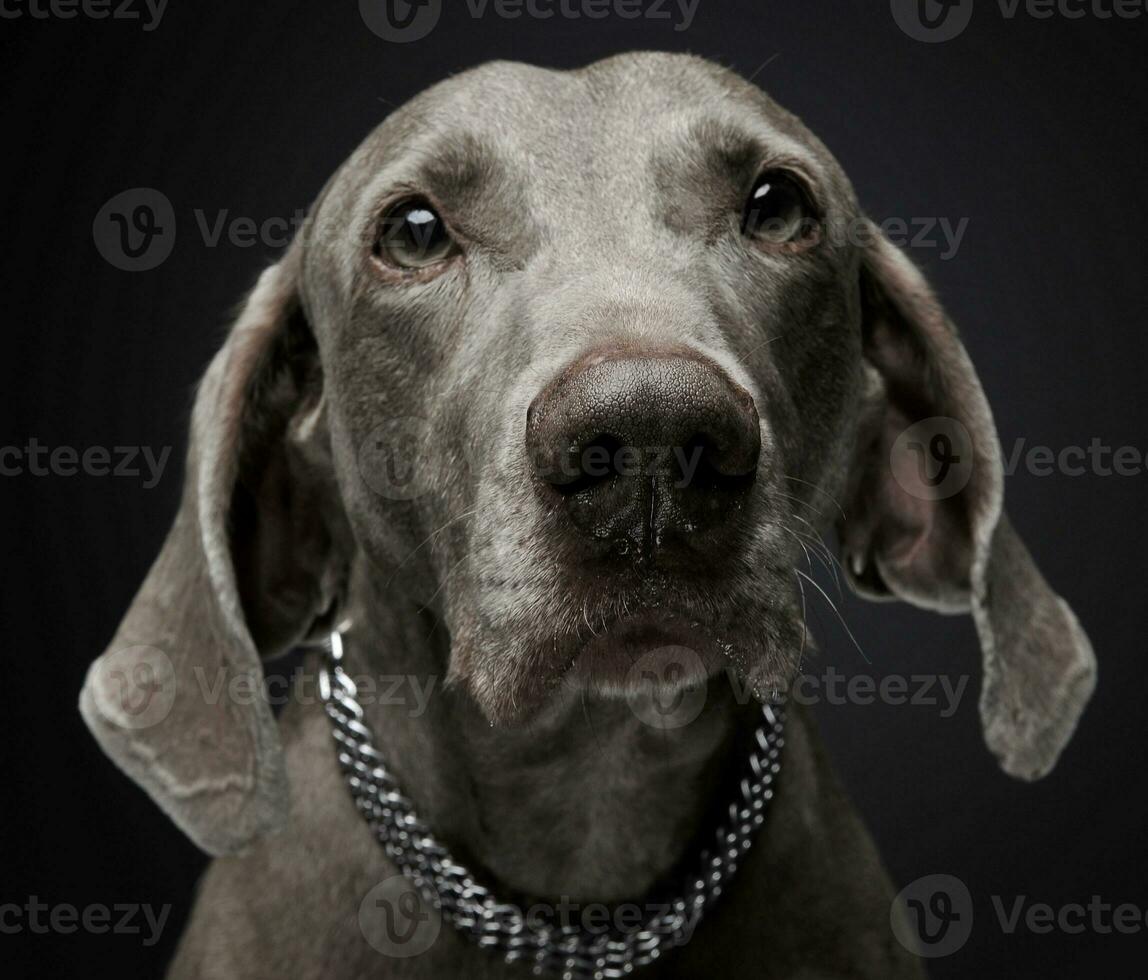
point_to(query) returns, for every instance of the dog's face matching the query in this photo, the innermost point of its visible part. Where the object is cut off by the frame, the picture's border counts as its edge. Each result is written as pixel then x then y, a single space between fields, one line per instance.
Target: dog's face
pixel 599 318
pixel 584 363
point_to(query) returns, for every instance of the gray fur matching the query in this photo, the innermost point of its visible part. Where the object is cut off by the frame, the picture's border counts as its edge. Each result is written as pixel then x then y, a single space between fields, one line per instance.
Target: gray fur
pixel 595 208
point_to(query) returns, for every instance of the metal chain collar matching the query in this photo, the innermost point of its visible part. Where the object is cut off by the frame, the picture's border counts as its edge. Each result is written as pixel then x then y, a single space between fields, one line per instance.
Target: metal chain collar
pixel 564 950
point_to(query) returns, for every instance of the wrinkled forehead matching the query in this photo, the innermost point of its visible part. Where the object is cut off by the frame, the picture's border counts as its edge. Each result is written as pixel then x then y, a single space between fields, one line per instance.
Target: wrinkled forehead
pixel 626 132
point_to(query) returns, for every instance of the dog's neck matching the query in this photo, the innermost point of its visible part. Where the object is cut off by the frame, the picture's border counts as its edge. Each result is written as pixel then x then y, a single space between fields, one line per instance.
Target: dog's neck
pixel 587 802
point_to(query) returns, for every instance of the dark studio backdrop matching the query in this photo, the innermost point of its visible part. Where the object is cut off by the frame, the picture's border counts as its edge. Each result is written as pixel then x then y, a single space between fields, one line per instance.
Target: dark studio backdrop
pixel 1027 132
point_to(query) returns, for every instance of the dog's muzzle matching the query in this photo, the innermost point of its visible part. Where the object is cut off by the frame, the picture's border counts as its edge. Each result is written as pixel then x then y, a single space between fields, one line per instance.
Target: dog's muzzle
pixel 645 451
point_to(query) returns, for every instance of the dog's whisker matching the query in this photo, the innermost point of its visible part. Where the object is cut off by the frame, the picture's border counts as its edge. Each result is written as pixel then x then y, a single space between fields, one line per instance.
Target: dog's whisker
pixel 825 493
pixel 450 571
pixel 797 500
pixel 589 719
pixel 586 616
pixel 801 544
pixel 765 343
pixel 824 555
pixel 428 538
pixel 813 532
pixel 833 606
pixel 765 64
pixel 813 536
pixel 804 621
pixel 804 616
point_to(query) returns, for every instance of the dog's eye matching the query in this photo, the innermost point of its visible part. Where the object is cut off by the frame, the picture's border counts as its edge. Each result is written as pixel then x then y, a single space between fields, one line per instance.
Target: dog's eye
pixel 413 236
pixel 777 211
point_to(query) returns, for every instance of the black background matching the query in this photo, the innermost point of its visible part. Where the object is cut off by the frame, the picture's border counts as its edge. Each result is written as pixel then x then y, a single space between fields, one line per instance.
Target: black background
pixel 1032 129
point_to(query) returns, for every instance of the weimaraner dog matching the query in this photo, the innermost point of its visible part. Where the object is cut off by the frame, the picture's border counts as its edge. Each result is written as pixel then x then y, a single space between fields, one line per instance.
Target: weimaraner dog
pixel 638 347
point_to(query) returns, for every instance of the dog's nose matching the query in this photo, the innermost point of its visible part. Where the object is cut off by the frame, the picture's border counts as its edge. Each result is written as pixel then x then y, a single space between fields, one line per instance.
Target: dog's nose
pixel 645 450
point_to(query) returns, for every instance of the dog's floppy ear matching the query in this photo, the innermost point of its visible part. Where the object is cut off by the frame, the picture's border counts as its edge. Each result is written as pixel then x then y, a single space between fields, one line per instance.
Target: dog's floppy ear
pixel 924 519
pixel 247 568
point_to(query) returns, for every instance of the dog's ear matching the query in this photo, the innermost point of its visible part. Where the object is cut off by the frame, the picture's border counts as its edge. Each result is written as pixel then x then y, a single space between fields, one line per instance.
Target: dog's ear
pixel 250 565
pixel 924 520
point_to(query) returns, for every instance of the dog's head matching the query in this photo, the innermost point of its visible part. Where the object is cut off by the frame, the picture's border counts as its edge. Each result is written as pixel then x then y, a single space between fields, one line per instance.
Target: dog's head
pixel 581 362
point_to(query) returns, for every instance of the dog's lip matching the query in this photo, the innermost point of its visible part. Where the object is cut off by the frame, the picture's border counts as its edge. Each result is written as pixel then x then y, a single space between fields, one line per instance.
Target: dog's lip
pixel 613 658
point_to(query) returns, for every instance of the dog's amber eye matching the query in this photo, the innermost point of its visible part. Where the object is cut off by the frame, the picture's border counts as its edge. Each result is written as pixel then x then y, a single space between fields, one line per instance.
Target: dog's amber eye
pixel 777 212
pixel 413 236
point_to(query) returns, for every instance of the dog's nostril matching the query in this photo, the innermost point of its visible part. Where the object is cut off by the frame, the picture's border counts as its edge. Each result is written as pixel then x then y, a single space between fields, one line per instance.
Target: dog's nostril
pixel 706 463
pixel 701 465
pixel 587 465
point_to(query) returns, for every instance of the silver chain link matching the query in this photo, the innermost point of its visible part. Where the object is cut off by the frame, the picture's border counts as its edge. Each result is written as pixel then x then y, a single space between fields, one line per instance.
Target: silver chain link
pixel 561 950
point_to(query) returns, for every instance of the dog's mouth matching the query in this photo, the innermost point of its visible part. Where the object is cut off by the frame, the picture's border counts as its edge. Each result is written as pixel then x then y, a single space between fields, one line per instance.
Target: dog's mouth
pixel 617 643
pixel 650 647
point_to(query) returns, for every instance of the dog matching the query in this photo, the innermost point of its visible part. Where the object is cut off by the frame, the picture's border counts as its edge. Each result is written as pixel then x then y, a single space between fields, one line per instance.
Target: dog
pixel 639 348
